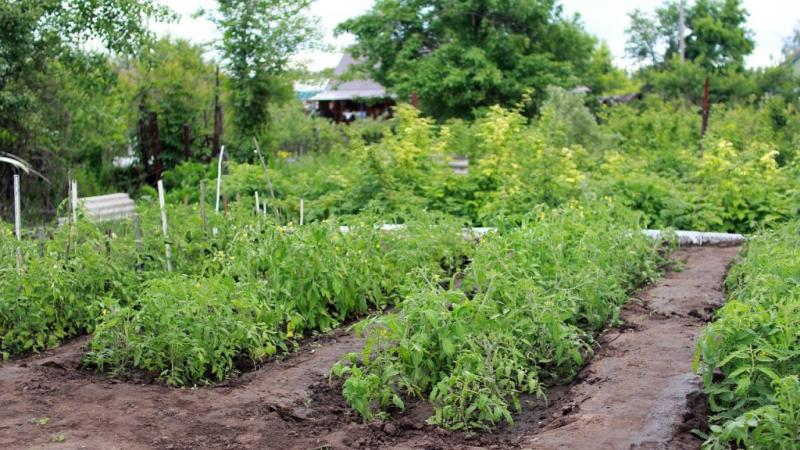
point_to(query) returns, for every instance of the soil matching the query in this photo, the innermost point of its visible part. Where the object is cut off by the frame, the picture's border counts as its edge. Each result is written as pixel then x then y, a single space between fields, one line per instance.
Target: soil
pixel 637 392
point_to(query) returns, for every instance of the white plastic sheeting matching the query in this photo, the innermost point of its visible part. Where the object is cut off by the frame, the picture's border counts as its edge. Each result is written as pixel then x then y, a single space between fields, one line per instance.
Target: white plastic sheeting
pixel 698 237
pixel 684 237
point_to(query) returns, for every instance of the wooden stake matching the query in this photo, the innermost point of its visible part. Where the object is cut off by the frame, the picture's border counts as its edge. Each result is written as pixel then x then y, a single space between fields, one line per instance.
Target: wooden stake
pixel 18 221
pixel 163 206
pixel 302 212
pixel 203 205
pixel 42 238
pixel 225 203
pixel 110 234
pixel 266 175
pixel 258 206
pixel 137 233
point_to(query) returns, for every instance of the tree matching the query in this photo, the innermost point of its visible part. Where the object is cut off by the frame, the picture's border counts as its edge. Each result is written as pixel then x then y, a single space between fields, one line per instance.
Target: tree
pixel 716 37
pixel 172 80
pixel 459 55
pixel 51 89
pixel 791 46
pixel 258 39
pixel 644 38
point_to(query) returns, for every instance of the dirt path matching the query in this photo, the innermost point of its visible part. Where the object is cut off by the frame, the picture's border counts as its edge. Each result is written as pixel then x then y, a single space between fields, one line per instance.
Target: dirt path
pixel 90 411
pixel 641 391
pixel 638 392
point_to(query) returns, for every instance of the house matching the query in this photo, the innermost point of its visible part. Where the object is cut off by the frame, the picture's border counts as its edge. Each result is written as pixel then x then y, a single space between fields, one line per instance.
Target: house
pixel 348 100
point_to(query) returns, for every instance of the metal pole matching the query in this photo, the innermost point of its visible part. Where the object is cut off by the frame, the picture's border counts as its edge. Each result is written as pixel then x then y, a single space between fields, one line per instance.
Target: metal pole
pixel 302 212
pixel 163 206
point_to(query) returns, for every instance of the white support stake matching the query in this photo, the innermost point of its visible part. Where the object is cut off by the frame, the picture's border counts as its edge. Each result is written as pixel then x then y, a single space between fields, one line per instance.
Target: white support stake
pixel 258 205
pixel 214 230
pixel 219 177
pixel 163 206
pixel 302 212
pixel 73 190
pixel 18 221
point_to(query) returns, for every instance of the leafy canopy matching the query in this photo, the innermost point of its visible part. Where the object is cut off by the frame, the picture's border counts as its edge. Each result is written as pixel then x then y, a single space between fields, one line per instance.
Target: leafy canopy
pixel 258 38
pixel 459 55
pixel 715 35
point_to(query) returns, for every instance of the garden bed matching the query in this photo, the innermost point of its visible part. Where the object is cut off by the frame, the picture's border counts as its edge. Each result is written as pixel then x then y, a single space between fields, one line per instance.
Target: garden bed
pixel 51 402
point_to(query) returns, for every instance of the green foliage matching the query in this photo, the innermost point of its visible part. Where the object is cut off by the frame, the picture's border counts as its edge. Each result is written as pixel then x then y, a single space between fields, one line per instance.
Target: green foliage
pixel 256 288
pixel 458 56
pixel 57 102
pixel 522 315
pixel 567 121
pixel 292 130
pixel 749 357
pixel 715 34
pixel 172 79
pixel 258 37
pixel 67 285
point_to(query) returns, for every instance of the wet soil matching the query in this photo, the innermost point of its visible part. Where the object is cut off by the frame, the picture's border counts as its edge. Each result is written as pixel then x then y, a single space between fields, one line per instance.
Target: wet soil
pixel 637 392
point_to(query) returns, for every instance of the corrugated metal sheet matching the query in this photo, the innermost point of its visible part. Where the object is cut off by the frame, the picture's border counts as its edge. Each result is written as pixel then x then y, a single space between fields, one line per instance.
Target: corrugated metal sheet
pixel 104 208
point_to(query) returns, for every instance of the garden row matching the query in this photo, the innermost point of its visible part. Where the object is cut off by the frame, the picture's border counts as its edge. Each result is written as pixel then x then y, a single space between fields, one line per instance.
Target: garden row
pixel 749 356
pixel 523 317
pixel 250 290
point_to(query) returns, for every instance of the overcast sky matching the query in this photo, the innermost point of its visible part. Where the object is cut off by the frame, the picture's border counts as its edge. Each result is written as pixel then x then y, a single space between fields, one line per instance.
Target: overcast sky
pixel 770 20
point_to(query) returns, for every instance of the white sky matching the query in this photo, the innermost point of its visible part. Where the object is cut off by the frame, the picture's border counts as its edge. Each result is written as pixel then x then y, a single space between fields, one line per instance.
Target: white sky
pixel 770 20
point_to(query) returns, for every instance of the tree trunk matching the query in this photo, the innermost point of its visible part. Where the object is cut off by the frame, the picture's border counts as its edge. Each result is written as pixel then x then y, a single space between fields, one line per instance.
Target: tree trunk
pixel 217 140
pixel 704 125
pixel 144 147
pixel 187 151
pixel 155 140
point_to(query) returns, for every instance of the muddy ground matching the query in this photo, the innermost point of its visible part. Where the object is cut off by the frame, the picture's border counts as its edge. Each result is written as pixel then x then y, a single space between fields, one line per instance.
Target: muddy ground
pixel 637 392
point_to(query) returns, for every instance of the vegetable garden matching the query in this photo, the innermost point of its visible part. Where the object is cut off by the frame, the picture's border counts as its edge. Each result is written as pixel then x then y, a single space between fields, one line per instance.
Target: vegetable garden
pixel 474 325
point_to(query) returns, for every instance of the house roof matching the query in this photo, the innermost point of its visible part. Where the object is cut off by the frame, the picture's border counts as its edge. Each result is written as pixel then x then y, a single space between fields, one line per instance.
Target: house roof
pixel 348 90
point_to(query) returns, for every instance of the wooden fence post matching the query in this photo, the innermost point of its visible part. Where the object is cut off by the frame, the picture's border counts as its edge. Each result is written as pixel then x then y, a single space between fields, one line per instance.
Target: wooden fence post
pixel 42 238
pixel 137 233
pixel 203 205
